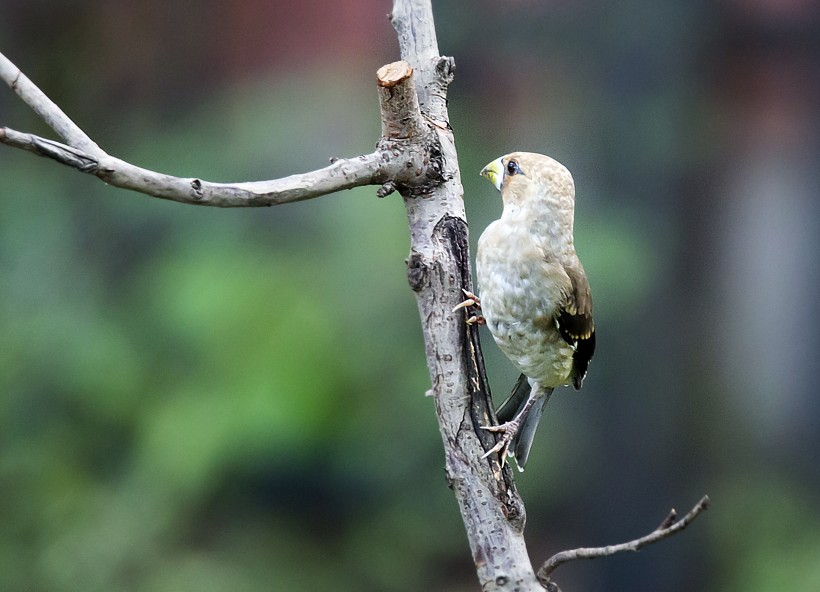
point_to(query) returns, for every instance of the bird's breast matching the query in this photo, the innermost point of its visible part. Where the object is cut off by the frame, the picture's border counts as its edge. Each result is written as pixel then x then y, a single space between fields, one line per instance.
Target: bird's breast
pixel 520 293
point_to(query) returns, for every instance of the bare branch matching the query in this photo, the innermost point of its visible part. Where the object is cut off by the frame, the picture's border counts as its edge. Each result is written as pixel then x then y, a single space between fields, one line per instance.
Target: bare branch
pixel 438 270
pixel 666 529
pixel 341 174
pixel 45 108
pixel 401 163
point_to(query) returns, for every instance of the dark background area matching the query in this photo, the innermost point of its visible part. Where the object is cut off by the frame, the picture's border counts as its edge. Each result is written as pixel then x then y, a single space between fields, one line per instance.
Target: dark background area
pixel 203 399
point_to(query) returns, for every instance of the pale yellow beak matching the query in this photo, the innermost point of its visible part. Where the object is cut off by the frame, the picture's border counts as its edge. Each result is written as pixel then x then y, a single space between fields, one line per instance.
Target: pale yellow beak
pixel 494 173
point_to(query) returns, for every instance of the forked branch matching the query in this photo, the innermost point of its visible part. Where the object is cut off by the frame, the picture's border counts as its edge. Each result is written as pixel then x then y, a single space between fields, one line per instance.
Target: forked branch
pixel 401 157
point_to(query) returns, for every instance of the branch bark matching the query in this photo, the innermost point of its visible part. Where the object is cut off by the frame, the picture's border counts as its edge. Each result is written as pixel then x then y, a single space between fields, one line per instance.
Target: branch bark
pixel 438 269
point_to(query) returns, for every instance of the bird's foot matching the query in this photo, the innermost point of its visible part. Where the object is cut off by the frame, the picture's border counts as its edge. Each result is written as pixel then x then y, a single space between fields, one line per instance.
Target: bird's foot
pixel 508 431
pixel 472 301
pixel 476 320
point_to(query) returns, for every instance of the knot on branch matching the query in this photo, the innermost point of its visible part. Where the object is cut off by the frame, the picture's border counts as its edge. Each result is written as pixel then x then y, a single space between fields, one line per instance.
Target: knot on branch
pixel 196 189
pixel 446 69
pixel 412 166
pixel 386 189
pixel 416 272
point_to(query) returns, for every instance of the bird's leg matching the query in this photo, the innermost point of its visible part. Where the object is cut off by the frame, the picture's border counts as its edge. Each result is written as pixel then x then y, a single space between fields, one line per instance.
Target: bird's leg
pixel 472 301
pixel 510 428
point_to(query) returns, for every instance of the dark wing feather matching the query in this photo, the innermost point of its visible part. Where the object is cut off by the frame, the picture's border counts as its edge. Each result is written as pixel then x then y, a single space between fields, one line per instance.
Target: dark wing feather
pixel 575 322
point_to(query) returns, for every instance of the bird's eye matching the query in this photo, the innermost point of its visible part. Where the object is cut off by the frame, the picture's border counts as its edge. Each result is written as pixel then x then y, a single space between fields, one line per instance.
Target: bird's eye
pixel 513 168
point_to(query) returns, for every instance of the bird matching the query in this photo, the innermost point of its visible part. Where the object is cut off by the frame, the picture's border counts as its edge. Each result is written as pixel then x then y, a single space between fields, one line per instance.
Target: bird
pixel 534 296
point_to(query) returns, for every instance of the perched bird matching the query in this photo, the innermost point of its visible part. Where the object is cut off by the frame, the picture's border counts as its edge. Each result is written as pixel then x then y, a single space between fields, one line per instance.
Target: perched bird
pixel 534 294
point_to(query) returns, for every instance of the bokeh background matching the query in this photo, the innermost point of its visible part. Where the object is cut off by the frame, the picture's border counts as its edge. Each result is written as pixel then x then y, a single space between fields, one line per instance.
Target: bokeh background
pixel 210 400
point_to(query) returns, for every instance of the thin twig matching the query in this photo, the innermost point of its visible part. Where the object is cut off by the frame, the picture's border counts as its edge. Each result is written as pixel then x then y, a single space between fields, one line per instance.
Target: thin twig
pixel 666 529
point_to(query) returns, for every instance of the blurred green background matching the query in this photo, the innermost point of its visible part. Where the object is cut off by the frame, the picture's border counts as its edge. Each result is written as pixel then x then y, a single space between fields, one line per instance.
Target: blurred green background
pixel 203 399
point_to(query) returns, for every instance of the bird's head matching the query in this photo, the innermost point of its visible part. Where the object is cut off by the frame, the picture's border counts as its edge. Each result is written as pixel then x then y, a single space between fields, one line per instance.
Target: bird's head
pixel 526 179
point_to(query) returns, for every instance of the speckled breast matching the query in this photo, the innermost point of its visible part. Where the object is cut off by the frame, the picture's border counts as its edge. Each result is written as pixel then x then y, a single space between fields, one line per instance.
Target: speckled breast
pixel 520 309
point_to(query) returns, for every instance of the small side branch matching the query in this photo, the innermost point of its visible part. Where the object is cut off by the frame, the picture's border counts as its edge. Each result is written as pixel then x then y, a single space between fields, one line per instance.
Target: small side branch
pixel 667 528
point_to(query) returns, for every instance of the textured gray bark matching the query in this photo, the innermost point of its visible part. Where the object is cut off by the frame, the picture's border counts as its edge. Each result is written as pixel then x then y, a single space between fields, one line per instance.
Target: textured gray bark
pixel 438 269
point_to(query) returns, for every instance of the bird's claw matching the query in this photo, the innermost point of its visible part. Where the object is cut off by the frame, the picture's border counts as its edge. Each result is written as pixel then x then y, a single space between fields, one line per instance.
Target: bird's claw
pixel 472 301
pixel 508 431
pixel 471 298
pixel 465 304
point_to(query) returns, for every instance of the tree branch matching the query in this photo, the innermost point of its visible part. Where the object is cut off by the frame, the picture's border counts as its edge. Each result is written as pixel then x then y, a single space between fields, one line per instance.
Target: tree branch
pixel 341 174
pixel 666 529
pixel 438 269
pixel 401 163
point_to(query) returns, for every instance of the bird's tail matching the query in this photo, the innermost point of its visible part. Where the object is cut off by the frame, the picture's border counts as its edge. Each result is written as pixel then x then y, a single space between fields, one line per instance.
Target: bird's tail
pixel 522 442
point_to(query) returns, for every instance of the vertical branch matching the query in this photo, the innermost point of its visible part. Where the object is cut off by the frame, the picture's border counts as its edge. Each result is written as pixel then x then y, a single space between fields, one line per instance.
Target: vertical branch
pixel 438 268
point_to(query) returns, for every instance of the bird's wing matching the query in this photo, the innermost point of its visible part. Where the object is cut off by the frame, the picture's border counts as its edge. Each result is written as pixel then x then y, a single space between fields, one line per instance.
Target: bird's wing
pixel 575 321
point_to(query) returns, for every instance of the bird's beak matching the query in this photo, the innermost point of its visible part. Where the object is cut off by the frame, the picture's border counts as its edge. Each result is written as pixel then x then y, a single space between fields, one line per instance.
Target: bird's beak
pixel 494 173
